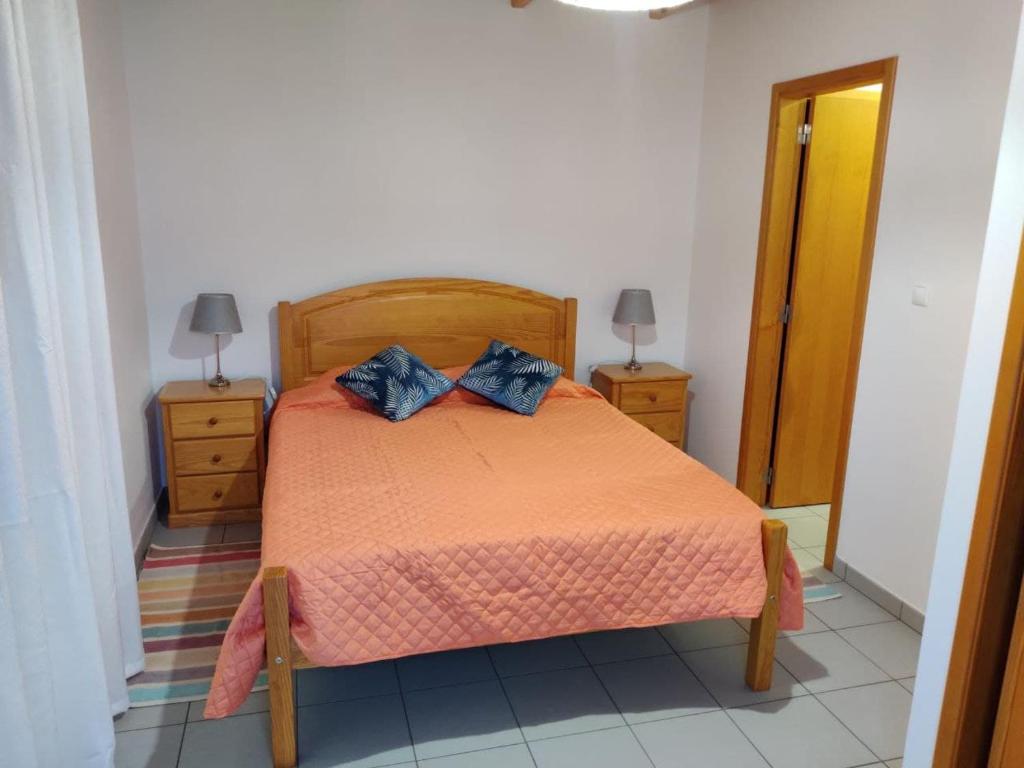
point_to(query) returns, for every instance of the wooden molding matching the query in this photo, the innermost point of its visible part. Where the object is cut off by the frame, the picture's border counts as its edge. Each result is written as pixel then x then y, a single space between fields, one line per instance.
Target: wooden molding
pixel 995 560
pixel 520 3
pixel 763 355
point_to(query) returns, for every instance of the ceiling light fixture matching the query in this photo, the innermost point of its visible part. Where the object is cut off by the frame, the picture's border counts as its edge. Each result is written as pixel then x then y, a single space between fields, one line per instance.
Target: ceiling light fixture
pixel 624 5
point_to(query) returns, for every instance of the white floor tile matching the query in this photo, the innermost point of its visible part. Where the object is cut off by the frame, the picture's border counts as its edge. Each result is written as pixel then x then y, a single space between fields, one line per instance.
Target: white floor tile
pixel 852 610
pixel 152 717
pixel 460 718
pixel 561 703
pixel 821 510
pixel 257 702
pixel 654 689
pixel 877 714
pixel 431 670
pixel 722 670
pixel 893 646
pixel 614 748
pixel 234 742
pixel 515 756
pixel 805 559
pixel 812 624
pixel 701 740
pixel 825 662
pixel 327 684
pixel 148 748
pixel 808 531
pixel 697 635
pixel 537 656
pixel 800 733
pixel 786 513
pixel 354 734
pixel 622 644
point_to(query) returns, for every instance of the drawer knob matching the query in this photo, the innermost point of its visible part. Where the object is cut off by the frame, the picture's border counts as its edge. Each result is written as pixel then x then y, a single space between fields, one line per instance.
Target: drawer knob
pixel 215 458
pixel 213 421
pixel 218 493
pixel 653 397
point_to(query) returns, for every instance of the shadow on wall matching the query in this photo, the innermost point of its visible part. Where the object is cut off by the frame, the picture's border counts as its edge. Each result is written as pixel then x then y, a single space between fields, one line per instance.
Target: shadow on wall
pixel 275 352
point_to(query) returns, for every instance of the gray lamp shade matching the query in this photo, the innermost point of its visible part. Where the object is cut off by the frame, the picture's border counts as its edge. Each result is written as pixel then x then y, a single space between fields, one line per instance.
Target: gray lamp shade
pixel 635 307
pixel 215 313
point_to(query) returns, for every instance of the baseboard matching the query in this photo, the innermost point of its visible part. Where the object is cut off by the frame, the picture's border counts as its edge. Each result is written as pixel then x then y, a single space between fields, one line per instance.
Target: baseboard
pixel 142 545
pixel 909 615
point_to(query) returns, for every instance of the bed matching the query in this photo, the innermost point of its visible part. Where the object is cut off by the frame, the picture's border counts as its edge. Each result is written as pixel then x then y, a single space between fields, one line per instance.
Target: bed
pixel 468 525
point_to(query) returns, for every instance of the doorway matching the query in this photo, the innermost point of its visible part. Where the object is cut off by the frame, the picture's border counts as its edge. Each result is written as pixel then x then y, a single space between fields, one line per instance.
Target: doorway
pixel 826 152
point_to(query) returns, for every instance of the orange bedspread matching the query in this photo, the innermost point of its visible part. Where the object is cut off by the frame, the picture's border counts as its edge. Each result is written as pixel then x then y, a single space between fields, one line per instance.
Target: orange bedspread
pixel 469 525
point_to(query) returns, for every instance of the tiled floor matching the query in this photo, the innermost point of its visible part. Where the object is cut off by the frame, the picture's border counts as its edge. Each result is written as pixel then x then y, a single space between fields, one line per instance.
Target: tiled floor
pixel 668 697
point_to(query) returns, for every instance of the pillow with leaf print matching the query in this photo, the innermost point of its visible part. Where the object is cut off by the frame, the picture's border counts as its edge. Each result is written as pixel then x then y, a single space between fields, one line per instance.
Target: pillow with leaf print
pixel 396 382
pixel 510 377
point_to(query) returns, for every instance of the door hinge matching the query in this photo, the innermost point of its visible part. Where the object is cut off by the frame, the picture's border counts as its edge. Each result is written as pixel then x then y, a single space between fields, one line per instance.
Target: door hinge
pixel 786 313
pixel 768 475
pixel 803 134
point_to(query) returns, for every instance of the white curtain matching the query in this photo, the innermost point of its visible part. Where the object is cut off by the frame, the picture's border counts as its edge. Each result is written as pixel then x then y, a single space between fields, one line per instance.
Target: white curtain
pixel 69 617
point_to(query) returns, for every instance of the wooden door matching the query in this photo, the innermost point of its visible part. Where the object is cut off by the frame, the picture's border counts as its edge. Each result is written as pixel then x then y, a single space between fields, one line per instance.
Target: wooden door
pixel 823 296
pixel 1008 738
pixel 983 707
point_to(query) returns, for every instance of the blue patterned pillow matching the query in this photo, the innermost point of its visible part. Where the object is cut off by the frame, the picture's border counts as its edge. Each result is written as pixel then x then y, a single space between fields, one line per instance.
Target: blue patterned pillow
pixel 396 382
pixel 512 378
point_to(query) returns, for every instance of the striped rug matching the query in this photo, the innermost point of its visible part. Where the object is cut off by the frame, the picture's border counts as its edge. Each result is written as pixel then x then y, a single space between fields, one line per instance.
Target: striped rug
pixel 187 596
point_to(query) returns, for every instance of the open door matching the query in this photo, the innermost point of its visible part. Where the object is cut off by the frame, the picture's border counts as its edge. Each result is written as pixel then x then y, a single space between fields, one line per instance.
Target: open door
pixel 818 221
pixel 821 307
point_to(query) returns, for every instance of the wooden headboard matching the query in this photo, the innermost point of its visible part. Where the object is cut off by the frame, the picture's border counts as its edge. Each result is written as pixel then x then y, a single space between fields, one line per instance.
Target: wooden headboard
pixel 445 321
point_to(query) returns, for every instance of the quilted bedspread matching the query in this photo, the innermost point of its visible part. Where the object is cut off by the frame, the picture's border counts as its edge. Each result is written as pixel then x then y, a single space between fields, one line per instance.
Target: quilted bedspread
pixel 469 525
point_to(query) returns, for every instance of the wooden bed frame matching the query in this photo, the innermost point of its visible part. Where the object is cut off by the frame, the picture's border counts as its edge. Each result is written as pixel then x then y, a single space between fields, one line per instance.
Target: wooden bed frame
pixel 447 322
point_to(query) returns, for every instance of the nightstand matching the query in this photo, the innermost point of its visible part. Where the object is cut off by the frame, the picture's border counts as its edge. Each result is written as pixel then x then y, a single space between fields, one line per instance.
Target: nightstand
pixel 214 451
pixel 654 396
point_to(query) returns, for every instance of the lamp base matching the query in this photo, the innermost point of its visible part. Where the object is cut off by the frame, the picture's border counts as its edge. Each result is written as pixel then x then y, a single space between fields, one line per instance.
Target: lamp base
pixel 633 366
pixel 219 382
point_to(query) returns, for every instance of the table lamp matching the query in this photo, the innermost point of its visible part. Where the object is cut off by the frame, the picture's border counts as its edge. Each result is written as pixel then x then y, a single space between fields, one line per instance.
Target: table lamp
pixel 216 313
pixel 635 307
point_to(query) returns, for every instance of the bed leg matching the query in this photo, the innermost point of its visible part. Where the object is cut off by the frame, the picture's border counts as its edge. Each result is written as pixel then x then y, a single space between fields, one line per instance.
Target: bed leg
pixel 279 666
pixel 761 651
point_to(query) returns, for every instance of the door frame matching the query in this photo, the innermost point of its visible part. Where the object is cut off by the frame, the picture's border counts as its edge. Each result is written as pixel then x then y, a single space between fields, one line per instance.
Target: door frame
pixel 765 345
pixel 992 580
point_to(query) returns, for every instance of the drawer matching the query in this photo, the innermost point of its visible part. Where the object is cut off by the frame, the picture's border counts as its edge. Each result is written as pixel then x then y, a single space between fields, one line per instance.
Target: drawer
pixel 234 417
pixel 226 454
pixel 238 489
pixel 648 396
pixel 667 425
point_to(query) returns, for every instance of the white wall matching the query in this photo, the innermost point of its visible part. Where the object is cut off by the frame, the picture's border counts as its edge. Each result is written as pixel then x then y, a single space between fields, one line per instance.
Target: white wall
pixel 287 148
pixel 119 240
pixel 988 329
pixel 949 99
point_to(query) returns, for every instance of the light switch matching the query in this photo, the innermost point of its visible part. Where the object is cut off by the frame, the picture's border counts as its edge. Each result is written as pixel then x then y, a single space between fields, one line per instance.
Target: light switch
pixel 919 296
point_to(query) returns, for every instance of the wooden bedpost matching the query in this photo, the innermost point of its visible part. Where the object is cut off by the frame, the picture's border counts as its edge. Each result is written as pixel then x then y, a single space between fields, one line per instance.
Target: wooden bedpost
pixel 761 651
pixel 279 666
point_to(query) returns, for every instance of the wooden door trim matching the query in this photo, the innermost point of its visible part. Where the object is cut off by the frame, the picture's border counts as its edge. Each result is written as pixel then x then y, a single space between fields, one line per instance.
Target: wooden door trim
pixel 991 584
pixel 758 401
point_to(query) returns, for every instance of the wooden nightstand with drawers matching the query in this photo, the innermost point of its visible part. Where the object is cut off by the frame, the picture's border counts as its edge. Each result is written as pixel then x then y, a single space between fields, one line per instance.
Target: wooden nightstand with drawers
pixel 214 451
pixel 654 396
